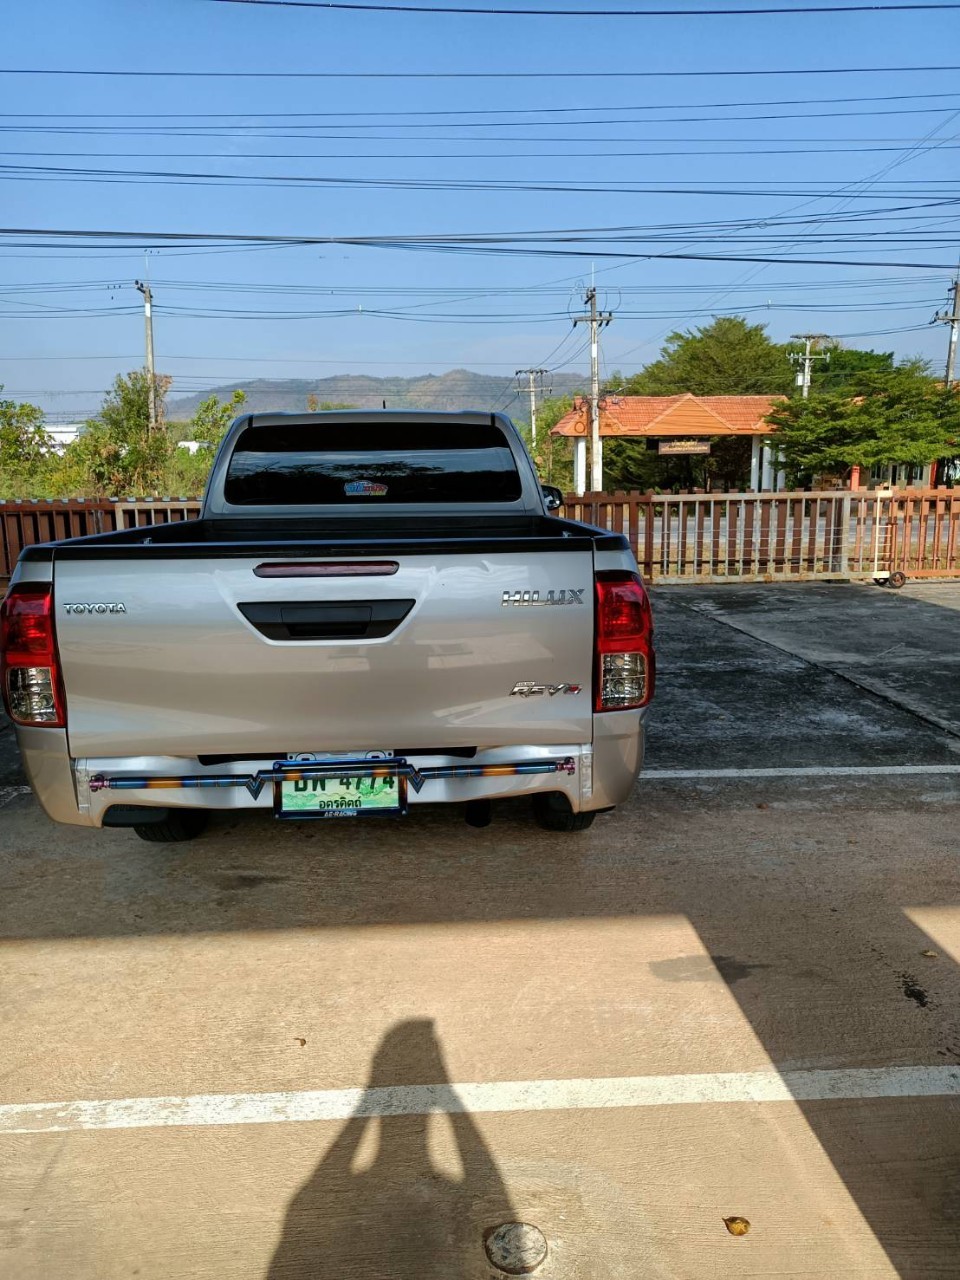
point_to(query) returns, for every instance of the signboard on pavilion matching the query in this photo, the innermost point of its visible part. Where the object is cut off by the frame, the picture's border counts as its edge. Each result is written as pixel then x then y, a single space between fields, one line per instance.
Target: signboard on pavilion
pixel 683 446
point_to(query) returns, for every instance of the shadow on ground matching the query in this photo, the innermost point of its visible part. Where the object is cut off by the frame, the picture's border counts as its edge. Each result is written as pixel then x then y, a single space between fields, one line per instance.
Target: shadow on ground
pixel 396 1213
pixel 802 907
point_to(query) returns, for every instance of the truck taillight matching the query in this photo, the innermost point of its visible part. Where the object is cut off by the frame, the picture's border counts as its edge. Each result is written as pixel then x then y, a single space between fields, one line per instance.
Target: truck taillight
pixel 29 665
pixel 626 666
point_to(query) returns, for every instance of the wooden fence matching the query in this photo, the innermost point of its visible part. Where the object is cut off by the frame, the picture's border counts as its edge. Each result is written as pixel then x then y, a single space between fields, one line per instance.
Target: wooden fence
pixel 24 523
pixel 742 537
pixel 750 537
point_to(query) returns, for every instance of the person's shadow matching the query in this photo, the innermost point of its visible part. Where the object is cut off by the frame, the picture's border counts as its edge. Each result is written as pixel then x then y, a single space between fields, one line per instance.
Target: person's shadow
pixel 398 1218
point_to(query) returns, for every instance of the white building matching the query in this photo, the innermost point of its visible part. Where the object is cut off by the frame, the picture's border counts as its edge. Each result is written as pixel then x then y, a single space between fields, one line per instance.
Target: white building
pixel 63 433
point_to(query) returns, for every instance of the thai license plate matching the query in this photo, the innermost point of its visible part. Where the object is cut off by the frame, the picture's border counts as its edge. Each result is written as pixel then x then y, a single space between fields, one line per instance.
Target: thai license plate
pixel 379 792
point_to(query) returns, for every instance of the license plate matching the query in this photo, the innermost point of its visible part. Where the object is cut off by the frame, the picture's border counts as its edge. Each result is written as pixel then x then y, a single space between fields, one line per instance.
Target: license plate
pixel 380 792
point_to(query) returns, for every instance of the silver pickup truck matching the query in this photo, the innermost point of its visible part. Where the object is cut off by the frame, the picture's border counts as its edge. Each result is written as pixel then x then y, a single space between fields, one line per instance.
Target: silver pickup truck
pixel 373 611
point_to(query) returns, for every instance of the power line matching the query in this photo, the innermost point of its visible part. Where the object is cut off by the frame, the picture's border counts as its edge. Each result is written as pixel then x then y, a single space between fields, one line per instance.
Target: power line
pixel 535 244
pixel 318 120
pixel 249 360
pixel 474 10
pixel 572 359
pixel 466 155
pixel 445 293
pixel 601 74
pixel 200 384
pixel 415 312
pixel 322 132
pixel 867 183
pixel 175 177
pixel 769 306
pixel 452 111
pixel 627 233
pixel 440 291
pixel 875 142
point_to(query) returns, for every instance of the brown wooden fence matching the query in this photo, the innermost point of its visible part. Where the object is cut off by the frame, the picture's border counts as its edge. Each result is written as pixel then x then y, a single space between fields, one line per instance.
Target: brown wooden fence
pixel 24 523
pixel 743 537
pixel 750 537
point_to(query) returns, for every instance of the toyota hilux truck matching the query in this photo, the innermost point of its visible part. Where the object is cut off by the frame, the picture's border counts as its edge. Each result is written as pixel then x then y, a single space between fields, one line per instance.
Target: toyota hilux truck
pixel 373 611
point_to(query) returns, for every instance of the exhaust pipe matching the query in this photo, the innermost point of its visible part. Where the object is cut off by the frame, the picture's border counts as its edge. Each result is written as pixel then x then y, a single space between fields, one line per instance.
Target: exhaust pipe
pixel 478 813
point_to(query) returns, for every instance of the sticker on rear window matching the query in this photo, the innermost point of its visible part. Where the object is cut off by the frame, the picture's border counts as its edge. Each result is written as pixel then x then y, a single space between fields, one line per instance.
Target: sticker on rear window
pixel 365 489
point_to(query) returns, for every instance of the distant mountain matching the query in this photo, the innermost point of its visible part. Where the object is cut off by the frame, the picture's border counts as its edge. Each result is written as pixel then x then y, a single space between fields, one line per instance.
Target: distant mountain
pixel 458 389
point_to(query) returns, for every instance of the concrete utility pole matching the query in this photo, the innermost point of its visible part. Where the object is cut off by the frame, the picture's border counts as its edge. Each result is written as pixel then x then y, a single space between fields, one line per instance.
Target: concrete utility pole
pixel 151 375
pixel 533 374
pixel 952 318
pixel 807 357
pixel 596 320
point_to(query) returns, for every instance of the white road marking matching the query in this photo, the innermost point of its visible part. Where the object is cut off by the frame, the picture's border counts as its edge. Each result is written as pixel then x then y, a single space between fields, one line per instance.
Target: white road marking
pixel 507 1095
pixel 10 793
pixel 807 771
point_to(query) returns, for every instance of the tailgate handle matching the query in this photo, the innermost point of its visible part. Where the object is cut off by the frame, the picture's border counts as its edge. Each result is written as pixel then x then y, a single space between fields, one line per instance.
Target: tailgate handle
pixel 296 620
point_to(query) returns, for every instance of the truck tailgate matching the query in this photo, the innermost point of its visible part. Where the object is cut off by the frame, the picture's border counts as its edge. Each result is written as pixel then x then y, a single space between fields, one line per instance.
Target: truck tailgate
pixel 206 657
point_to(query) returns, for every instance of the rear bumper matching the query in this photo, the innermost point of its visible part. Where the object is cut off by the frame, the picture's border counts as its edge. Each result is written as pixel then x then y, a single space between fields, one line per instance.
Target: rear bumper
pixel 592 776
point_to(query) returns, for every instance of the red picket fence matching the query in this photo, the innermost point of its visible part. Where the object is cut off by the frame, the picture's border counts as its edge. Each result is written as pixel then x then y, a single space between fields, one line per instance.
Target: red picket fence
pixel 687 537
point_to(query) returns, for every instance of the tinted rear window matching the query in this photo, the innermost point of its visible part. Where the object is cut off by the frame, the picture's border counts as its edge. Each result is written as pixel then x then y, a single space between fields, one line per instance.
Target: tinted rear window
pixel 342 463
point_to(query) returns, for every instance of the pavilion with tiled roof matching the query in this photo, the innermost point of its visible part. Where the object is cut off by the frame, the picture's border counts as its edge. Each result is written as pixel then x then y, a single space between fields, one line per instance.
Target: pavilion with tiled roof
pixel 674 418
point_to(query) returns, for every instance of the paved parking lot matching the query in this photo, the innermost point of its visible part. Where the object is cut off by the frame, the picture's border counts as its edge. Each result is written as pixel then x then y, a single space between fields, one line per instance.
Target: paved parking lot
pixel 351 1052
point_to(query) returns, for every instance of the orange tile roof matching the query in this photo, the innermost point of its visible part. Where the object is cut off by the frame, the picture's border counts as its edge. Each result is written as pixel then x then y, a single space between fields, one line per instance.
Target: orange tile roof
pixel 683 415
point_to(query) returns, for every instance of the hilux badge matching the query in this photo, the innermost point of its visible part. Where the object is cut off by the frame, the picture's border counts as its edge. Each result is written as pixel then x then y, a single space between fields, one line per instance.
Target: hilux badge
pixel 572 595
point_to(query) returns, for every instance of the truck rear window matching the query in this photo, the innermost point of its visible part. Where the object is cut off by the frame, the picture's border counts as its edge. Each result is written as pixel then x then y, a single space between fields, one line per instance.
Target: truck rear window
pixel 344 463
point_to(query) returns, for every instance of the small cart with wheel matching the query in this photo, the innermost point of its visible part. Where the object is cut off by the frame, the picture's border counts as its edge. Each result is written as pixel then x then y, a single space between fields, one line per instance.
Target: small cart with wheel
pixel 884 577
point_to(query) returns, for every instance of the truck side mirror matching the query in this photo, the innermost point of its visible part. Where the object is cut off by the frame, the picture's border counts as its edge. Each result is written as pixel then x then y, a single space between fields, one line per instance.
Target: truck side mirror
pixel 552 497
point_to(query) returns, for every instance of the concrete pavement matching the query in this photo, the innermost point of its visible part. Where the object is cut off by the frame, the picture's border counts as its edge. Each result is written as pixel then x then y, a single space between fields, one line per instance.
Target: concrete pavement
pixel 739 931
pixel 902 645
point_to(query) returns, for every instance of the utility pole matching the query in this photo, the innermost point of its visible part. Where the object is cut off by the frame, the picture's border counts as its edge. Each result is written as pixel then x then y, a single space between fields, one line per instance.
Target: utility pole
pixel 953 320
pixel 533 374
pixel 807 357
pixel 596 320
pixel 151 375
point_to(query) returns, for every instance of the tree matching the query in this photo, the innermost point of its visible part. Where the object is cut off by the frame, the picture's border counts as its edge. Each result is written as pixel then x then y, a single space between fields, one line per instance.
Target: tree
pixel 316 405
pixel 23 437
pixel 727 357
pixel 552 455
pixel 901 416
pixel 25 448
pixel 637 464
pixel 209 424
pixel 849 370
pixel 117 452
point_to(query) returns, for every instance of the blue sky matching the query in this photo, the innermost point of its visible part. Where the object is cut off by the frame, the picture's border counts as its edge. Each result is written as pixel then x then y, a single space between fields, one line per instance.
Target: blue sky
pixel 70 319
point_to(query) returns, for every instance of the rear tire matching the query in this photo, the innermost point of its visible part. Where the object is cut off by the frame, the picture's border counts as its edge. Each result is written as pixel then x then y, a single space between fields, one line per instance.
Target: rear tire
pixel 179 825
pixel 553 813
pixel 897 579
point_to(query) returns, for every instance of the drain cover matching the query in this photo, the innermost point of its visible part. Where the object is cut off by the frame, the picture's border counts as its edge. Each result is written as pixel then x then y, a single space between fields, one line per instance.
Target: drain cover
pixel 516 1247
